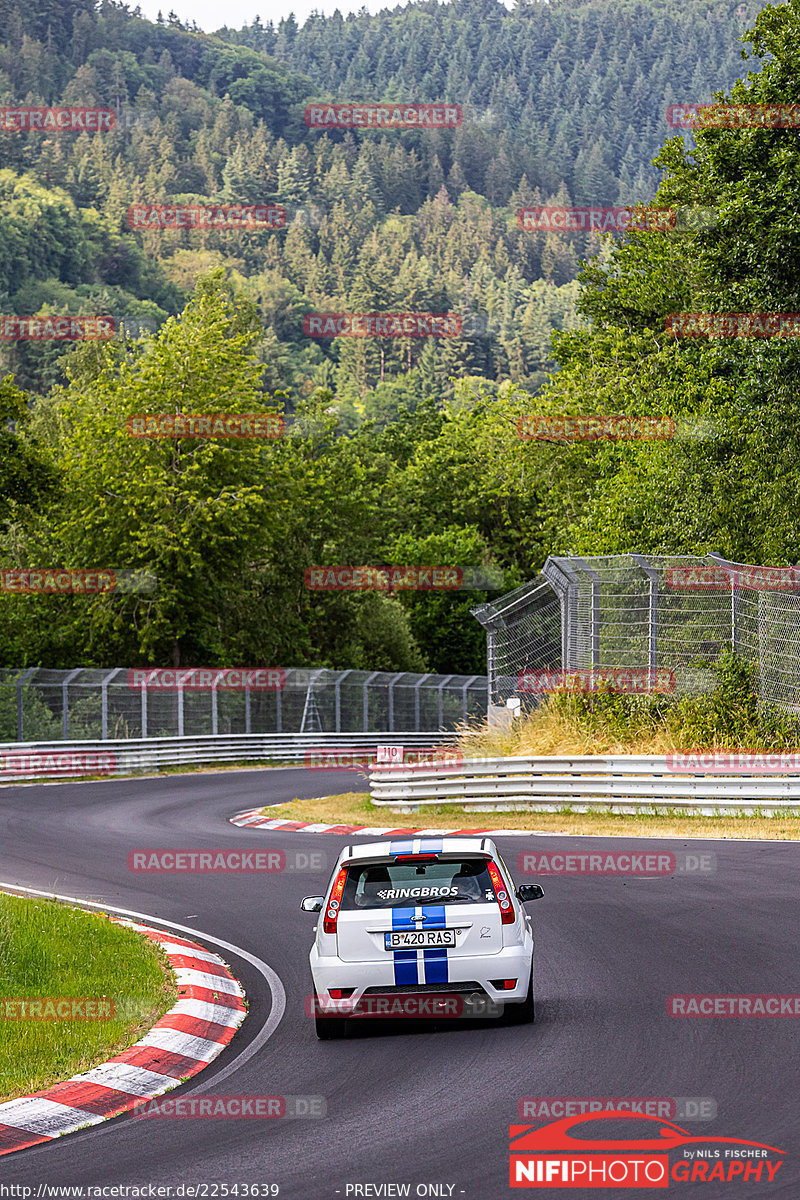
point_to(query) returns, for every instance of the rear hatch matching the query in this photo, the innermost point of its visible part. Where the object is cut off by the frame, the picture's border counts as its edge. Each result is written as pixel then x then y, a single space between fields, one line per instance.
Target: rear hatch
pixel 417 911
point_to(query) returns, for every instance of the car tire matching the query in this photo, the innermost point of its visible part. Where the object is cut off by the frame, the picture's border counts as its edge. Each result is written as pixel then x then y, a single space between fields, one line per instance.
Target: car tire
pixel 330 1028
pixel 524 1013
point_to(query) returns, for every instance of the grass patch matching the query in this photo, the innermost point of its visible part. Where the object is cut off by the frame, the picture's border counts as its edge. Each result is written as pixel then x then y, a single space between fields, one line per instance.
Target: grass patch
pixel 355 808
pixel 729 717
pixel 48 949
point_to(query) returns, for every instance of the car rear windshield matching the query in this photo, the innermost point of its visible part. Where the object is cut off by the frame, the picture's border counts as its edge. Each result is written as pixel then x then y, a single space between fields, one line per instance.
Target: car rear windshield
pixel 406 884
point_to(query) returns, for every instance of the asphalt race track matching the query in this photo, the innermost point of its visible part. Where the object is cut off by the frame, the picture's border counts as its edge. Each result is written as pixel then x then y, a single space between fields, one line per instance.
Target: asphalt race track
pixel 420 1105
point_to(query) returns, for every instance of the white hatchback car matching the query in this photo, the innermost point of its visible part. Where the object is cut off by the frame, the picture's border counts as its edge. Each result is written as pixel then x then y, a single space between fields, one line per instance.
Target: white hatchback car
pixel 435 917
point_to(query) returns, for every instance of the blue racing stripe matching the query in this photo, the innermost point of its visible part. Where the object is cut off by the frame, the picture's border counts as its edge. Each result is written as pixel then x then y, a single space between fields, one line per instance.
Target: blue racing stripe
pixel 435 916
pixel 435 959
pixel 401 847
pixel 431 846
pixel 405 961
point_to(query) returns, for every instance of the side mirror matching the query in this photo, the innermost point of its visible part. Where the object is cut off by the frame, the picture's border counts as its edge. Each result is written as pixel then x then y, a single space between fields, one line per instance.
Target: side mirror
pixel 530 891
pixel 312 903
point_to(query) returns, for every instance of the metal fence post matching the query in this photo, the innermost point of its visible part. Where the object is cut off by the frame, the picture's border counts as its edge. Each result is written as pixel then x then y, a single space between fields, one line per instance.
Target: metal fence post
pixel 247 709
pixel 417 686
pixel 65 701
pixel 104 702
pixel 367 682
pixel 214 708
pixel 736 606
pixel 491 666
pixel 337 690
pixel 392 682
pixel 563 599
pixel 594 620
pixel 719 561
pixel 559 574
pixel 21 681
pixel 652 629
pixel 442 686
pixel 465 688
pixel 144 709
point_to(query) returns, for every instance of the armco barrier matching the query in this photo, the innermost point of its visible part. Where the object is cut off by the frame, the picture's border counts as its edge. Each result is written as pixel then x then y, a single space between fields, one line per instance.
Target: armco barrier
pixel 60 760
pixel 583 782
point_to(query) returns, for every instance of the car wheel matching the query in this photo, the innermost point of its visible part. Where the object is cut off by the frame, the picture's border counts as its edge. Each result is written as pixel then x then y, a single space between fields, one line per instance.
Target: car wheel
pixel 522 1014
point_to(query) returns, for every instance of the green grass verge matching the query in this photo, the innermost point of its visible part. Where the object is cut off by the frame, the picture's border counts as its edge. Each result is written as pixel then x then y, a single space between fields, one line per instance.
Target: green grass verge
pixel 48 949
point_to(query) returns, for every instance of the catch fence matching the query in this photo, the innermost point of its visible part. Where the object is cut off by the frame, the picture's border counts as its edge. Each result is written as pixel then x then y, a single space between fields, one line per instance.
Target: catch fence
pixel 42 705
pixel 675 614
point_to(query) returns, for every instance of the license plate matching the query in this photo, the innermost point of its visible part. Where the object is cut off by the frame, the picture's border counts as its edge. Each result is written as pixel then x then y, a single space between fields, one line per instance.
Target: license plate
pixel 415 939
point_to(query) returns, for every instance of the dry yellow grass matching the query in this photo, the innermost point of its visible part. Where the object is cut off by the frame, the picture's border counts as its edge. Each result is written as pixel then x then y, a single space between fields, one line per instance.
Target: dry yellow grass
pixel 355 808
pixel 552 732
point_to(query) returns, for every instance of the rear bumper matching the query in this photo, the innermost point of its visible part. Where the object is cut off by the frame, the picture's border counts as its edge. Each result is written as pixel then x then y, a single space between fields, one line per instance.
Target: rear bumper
pixel 468 975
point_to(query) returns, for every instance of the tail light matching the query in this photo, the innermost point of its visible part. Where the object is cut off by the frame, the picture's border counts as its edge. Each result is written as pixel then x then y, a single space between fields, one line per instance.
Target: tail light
pixel 332 907
pixel 501 892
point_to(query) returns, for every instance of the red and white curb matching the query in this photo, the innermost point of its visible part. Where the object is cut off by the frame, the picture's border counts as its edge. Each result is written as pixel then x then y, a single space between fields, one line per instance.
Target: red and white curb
pixel 255 819
pixel 185 1040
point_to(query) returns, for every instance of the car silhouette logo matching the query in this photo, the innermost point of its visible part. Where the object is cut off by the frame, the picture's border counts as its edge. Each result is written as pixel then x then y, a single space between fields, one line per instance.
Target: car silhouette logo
pixel 557 1136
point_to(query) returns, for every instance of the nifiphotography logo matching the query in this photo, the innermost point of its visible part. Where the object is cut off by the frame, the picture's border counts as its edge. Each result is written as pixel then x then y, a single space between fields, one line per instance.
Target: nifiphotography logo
pixel 594 1150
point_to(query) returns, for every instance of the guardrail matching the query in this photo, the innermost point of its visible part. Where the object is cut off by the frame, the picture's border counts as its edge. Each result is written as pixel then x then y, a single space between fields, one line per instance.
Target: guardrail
pixel 61 760
pixel 581 782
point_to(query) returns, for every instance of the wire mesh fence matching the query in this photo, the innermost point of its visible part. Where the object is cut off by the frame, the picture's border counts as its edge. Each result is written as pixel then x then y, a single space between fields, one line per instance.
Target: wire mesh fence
pixel 39 704
pixel 523 630
pixel 667 617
